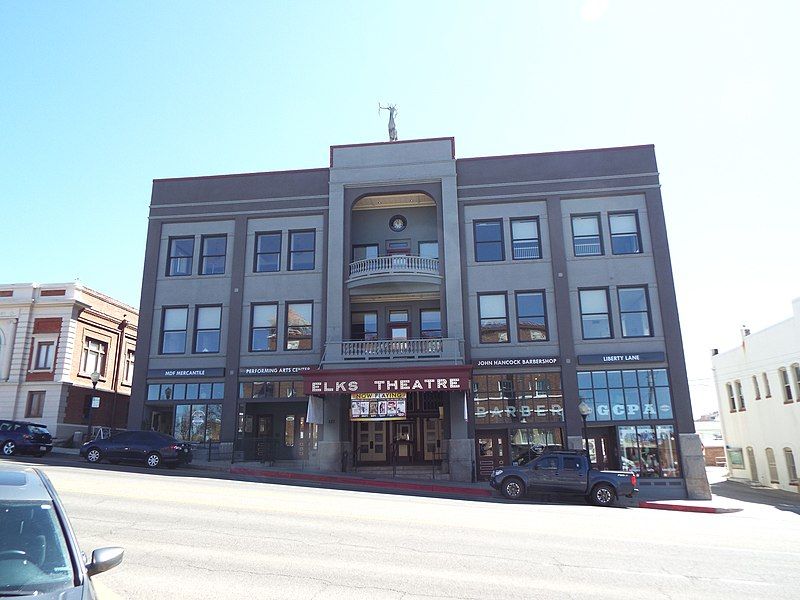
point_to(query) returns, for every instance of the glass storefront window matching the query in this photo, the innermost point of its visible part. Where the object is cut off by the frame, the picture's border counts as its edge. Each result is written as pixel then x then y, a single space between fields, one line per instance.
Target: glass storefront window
pixel 649 451
pixel 205 391
pixel 214 390
pixel 518 398
pixel 271 389
pixel 152 392
pixel 179 391
pixel 527 444
pixel 198 422
pixel 632 395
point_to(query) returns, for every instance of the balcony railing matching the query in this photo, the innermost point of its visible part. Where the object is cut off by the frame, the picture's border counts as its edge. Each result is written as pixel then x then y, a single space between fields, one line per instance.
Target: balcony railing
pixel 441 349
pixel 389 265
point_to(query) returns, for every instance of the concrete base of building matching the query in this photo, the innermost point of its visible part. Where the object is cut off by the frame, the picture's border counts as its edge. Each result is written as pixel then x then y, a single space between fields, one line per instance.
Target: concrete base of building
pixel 574 442
pixel 694 467
pixel 331 456
pixel 460 459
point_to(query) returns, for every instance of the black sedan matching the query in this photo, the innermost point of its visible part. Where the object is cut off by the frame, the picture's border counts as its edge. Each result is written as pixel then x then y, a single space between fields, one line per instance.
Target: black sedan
pixel 149 447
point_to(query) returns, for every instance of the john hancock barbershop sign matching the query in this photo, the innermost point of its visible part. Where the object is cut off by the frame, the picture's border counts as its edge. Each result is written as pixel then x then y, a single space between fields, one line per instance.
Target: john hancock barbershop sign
pixel 439 379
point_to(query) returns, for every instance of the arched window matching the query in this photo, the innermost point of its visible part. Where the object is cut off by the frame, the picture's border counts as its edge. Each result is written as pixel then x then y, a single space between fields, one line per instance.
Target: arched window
pixel 773 466
pixel 790 466
pixel 787 386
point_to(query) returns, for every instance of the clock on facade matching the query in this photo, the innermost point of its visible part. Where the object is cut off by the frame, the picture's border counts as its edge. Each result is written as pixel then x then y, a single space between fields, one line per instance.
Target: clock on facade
pixel 397 223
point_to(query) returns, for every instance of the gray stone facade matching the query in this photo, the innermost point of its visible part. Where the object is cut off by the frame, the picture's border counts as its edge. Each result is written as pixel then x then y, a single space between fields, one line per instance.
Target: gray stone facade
pixel 361 265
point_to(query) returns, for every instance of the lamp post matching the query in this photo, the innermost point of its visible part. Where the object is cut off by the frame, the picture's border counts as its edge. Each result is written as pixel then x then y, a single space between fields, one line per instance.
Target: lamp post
pixel 584 410
pixel 95 377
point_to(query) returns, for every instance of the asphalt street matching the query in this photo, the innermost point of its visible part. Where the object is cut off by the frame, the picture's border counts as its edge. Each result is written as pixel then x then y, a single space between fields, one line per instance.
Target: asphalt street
pixel 191 535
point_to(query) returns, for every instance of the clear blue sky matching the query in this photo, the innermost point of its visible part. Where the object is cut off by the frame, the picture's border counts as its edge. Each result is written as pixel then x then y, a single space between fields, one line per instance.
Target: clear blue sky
pixel 99 98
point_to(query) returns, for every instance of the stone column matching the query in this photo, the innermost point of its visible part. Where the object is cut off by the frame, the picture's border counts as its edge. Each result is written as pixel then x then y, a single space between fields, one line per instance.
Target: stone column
pixel 694 467
pixel 460 447
pixel 332 445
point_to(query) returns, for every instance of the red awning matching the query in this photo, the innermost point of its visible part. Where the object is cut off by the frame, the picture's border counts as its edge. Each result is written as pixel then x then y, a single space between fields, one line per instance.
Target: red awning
pixel 418 379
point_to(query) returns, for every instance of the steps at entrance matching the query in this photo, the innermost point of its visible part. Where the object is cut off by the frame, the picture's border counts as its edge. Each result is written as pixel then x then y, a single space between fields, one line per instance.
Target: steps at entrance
pixel 402 472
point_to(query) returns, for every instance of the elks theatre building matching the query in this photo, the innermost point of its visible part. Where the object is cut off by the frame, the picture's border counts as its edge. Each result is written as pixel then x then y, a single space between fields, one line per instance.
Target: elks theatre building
pixel 405 308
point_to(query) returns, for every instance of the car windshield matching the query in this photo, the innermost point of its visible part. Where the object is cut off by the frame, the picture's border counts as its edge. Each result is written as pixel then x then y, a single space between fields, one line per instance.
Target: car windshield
pixel 33 553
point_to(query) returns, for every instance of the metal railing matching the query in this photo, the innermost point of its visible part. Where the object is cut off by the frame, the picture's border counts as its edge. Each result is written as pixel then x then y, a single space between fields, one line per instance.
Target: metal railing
pixel 400 263
pixel 445 349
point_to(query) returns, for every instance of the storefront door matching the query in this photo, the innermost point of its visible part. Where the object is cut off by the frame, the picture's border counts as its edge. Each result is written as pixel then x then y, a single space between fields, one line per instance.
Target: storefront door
pixel 371 441
pixel 602 448
pixel 403 441
pixel 162 421
pixel 432 438
pixel 491 451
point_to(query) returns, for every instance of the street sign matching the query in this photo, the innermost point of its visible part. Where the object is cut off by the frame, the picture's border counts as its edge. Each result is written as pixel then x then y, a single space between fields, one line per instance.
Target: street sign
pixel 95 401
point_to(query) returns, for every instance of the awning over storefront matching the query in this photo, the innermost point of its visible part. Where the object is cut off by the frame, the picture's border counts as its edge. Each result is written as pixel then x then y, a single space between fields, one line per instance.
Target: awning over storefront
pixel 418 379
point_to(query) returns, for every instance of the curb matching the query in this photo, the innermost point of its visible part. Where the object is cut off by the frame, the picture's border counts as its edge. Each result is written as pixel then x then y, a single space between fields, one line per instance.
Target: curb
pixel 361 482
pixel 688 508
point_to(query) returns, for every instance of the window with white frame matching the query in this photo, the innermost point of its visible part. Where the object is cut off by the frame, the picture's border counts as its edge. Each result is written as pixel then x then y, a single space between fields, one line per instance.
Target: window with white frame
pixel 737 385
pixel 129 356
pixel 731 397
pixel 796 376
pixel 756 391
pixel 787 386
pixel 765 379
pixel 791 468
pixel 45 353
pixel 773 466
pixel 94 356
pixel 35 405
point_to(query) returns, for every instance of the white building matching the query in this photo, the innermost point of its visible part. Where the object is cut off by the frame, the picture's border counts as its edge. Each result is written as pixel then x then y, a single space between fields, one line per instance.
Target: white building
pixel 758 388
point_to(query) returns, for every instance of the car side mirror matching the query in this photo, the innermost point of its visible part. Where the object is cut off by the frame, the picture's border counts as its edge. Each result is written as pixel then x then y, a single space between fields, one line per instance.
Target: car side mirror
pixel 104 559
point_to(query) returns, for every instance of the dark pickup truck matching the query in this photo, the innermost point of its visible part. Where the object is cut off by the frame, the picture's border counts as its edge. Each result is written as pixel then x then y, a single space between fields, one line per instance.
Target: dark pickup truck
pixel 564 472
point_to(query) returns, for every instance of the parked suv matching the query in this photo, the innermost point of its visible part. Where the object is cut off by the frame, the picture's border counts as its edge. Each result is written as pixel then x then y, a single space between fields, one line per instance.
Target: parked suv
pixel 150 447
pixel 23 437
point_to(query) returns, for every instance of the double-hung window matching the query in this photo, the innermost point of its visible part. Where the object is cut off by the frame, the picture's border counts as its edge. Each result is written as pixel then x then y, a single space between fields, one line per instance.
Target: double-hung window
pixel 94 357
pixel 173 330
pixel 531 317
pixel 301 250
pixel 595 321
pixel 767 391
pixel 625 237
pixel 212 259
pixel 634 311
pixel 208 323
pixel 488 241
pixel 525 239
pixel 45 352
pixel 299 325
pixel 264 328
pixel 787 386
pixel 493 314
pixel 181 251
pixel 586 238
pixel 737 386
pixel 35 406
pixel 756 390
pixel 731 397
pixel 364 326
pixel 268 252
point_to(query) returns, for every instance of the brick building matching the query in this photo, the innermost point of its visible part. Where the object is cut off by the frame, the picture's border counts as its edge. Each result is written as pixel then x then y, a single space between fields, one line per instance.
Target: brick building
pixel 52 338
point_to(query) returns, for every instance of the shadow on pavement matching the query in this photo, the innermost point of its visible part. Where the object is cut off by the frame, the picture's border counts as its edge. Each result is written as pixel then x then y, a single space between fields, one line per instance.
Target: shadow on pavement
pixel 779 499
pixel 57 460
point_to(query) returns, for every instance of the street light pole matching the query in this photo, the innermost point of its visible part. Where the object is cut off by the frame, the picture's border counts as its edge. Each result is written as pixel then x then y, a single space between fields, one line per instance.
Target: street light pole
pixel 584 409
pixel 95 376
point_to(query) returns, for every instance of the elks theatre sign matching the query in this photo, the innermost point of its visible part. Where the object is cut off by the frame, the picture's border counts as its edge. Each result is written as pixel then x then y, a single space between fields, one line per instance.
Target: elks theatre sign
pixel 421 379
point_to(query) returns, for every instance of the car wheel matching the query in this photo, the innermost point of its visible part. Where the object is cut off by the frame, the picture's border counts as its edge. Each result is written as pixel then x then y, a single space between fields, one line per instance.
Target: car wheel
pixel 9 448
pixel 513 488
pixel 94 455
pixel 153 460
pixel 603 495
